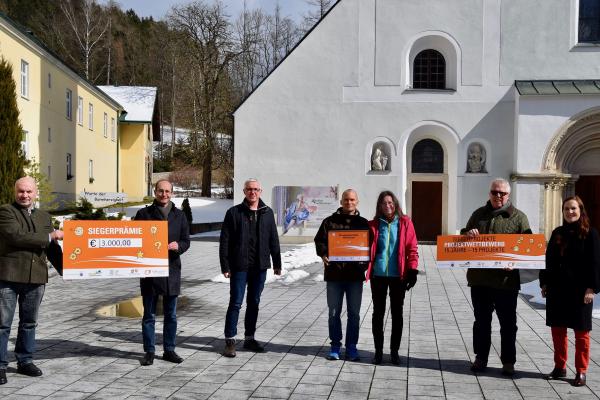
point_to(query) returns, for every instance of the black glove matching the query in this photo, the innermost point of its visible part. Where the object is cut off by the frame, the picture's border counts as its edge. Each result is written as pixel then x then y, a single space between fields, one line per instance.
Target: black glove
pixel 411 278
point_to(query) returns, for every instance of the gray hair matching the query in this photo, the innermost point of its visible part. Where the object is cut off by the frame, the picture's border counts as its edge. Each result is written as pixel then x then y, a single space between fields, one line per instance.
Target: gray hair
pixel 249 180
pixel 501 181
pixel 27 179
pixel 350 191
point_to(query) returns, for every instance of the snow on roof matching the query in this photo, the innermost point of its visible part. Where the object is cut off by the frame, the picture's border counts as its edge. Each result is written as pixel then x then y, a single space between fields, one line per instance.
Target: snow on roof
pixel 138 101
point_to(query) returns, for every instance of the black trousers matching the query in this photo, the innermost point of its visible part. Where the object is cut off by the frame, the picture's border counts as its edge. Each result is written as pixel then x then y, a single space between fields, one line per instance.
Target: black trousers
pixel 379 291
pixel 485 301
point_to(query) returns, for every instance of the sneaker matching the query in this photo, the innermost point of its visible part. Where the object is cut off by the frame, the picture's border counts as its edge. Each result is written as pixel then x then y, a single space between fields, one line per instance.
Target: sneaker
pixel 508 369
pixel 478 365
pixel 173 357
pixel 352 354
pixel 229 350
pixel 253 345
pixel 334 353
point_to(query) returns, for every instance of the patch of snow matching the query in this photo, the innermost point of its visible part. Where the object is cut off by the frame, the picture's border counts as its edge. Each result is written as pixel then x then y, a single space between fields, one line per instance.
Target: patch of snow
pixel 319 278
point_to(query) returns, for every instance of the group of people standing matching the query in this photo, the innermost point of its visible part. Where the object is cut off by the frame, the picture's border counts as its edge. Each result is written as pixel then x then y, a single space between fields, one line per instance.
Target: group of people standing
pixel 249 244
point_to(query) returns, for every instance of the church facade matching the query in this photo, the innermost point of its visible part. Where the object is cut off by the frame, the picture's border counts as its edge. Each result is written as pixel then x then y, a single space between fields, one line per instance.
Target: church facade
pixel 432 100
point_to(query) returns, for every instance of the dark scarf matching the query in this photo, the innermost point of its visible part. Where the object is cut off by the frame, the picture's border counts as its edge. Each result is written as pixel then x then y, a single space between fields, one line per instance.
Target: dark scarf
pixel 164 210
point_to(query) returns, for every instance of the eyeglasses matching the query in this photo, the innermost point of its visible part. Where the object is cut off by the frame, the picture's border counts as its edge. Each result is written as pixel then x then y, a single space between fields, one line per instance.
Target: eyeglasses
pixel 498 193
pixel 252 190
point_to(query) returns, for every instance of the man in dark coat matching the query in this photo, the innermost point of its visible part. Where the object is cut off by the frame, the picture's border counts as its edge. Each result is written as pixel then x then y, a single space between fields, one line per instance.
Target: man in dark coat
pixel 344 278
pixel 495 289
pixel 249 241
pixel 162 209
pixel 26 234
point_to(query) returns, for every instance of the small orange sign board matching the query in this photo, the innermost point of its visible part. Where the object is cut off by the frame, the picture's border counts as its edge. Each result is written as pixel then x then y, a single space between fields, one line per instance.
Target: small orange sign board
pixel 115 249
pixel 492 251
pixel 348 245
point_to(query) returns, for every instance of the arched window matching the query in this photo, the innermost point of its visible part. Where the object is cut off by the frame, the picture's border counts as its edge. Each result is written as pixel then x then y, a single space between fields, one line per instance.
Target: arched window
pixel 427 157
pixel 429 70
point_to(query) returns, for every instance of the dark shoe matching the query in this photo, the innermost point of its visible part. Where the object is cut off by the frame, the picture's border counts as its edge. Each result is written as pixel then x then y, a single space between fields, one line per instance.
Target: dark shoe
pixel 29 369
pixel 377 358
pixel 253 345
pixel 557 373
pixel 352 354
pixel 3 377
pixel 395 358
pixel 478 365
pixel 171 356
pixel 148 359
pixel 508 369
pixel 579 379
pixel 229 348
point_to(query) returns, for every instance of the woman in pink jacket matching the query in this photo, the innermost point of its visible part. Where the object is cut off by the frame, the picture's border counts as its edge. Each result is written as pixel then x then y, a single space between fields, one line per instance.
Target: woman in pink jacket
pixel 393 266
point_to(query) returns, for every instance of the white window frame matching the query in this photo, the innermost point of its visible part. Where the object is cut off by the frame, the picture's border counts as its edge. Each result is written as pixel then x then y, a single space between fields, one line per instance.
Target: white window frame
pixel 113 130
pixel 69 166
pixel 25 143
pixel 91 116
pixel 91 170
pixel 105 125
pixel 80 110
pixel 24 79
pixel 69 104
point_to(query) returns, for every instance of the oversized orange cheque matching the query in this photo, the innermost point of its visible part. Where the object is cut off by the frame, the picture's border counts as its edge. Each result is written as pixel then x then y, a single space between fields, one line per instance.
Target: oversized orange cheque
pixel 492 251
pixel 115 249
pixel 348 245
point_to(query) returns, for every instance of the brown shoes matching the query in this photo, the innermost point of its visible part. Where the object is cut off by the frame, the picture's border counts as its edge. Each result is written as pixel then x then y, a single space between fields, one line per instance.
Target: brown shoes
pixel 579 379
pixel 229 348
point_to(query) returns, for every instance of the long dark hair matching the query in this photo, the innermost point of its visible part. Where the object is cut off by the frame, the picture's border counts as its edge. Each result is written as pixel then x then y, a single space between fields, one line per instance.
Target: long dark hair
pixel 583 224
pixel 382 195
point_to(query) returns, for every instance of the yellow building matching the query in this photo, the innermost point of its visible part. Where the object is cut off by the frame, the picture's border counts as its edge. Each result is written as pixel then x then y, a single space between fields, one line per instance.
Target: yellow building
pixel 72 128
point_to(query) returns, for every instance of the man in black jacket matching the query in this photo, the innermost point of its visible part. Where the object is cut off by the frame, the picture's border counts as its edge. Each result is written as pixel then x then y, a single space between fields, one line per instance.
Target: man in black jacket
pixel 343 277
pixel 248 241
pixel 162 209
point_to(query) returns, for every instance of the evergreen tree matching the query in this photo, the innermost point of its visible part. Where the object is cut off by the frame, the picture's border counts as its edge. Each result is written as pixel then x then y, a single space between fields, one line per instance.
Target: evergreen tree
pixel 187 210
pixel 12 159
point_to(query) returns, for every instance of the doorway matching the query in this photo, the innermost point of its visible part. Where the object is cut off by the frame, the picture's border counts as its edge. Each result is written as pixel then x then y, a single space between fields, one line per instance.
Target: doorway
pixel 427 210
pixel 588 188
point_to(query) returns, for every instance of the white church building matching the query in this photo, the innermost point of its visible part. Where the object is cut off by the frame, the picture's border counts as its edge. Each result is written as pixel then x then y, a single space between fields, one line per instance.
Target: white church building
pixel 432 99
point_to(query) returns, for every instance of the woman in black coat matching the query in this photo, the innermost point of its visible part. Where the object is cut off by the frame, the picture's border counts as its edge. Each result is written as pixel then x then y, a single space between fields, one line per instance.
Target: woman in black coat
pixel 569 282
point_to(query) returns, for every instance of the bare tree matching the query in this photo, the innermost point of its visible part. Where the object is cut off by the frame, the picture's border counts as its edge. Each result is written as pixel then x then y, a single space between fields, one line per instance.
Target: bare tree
pixel 212 49
pixel 320 8
pixel 89 24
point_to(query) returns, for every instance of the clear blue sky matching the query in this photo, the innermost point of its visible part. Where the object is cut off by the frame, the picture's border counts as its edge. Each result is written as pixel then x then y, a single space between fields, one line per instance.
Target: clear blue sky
pixel 159 8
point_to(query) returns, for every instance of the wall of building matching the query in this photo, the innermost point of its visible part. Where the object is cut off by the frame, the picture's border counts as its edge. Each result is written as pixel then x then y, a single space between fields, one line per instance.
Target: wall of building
pixel 133 146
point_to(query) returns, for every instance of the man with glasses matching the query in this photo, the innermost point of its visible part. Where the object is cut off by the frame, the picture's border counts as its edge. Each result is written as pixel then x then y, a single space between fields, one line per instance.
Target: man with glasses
pixel 248 242
pixel 495 289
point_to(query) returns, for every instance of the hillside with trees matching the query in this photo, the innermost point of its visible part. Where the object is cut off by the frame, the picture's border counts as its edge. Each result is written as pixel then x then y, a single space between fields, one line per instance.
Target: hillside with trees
pixel 203 60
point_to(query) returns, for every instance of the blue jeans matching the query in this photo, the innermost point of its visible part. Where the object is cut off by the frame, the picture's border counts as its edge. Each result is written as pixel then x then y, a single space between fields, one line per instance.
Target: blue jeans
pixel 169 324
pixel 335 299
pixel 255 280
pixel 28 296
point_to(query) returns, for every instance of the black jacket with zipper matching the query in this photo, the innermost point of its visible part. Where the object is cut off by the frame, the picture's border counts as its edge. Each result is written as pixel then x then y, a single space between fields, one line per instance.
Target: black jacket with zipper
pixel 234 241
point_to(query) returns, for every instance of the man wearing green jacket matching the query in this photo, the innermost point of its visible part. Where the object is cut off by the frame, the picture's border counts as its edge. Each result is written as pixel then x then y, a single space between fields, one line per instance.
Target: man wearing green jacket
pixel 495 289
pixel 26 234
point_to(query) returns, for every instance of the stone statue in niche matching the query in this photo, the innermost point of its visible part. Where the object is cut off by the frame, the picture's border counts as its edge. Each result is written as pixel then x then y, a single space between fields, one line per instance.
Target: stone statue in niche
pixel 476 158
pixel 379 158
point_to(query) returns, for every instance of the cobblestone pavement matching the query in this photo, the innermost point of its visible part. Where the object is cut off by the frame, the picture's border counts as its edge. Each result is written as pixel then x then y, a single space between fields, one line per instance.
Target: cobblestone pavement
pixel 84 355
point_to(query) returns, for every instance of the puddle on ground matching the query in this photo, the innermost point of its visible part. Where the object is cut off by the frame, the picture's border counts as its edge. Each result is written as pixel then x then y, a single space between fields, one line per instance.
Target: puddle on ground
pixel 134 308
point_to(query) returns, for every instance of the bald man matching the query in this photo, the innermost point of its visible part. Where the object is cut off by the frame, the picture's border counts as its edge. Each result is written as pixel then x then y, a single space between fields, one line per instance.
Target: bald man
pixel 344 278
pixel 26 234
